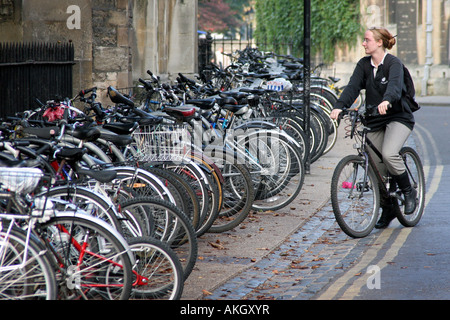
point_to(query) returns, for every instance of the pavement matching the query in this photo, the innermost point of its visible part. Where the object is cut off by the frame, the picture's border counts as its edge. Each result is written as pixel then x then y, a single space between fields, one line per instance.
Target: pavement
pixel 224 256
pixel 434 100
pixel 292 253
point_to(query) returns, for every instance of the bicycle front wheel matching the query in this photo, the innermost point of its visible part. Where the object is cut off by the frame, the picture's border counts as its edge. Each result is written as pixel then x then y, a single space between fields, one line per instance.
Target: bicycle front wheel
pixel 25 275
pixel 165 222
pixel 95 260
pixel 355 196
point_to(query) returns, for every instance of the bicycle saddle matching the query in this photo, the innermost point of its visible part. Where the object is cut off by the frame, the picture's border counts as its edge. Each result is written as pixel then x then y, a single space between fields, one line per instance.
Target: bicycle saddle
pixel 238 95
pixel 203 104
pixel 181 113
pixel 85 132
pixel 103 176
pixel 236 109
pixel 117 97
pixel 253 91
pixel 121 127
pixel 43 133
pixel 69 153
pixel 120 140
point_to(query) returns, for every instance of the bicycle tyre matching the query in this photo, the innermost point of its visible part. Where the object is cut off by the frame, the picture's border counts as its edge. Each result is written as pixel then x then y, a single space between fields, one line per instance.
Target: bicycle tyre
pixel 215 192
pixel 355 215
pixel 417 177
pixel 183 194
pixel 238 195
pixel 199 183
pixel 283 180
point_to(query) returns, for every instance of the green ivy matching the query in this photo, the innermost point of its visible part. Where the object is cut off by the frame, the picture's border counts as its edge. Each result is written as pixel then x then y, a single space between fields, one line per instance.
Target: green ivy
pixel 333 23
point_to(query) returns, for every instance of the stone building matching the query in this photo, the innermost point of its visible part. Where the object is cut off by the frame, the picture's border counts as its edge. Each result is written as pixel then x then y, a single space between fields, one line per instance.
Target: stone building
pixel 116 41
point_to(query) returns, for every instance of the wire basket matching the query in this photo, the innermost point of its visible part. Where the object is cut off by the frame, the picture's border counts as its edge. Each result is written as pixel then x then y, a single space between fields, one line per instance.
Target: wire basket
pixel 20 180
pixel 162 143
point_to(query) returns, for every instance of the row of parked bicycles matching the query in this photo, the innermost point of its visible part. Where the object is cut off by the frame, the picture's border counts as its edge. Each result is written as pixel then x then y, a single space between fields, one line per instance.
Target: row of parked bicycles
pixel 109 202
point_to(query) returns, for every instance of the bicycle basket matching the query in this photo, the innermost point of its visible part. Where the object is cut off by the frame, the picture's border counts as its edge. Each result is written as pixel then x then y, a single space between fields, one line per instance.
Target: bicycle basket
pixel 162 143
pixel 20 180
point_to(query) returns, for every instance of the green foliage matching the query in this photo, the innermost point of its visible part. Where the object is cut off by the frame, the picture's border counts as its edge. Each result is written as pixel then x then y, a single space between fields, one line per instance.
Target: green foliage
pixel 332 23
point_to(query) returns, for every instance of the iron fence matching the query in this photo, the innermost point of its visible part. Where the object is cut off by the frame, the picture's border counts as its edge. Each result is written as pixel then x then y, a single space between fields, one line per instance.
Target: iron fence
pixel 30 71
pixel 280 46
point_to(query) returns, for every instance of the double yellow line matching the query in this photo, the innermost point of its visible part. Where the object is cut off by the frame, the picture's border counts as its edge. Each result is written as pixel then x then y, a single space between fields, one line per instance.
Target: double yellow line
pixel 348 286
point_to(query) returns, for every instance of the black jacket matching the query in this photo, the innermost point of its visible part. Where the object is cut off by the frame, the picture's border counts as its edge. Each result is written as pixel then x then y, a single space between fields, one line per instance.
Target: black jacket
pixel 379 88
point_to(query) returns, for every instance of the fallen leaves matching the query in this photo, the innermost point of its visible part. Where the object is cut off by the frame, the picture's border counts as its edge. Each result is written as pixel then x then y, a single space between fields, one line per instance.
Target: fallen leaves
pixel 206 292
pixel 217 245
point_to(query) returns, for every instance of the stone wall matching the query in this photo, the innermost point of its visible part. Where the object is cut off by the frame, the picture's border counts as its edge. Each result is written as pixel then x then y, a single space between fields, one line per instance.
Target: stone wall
pixel 116 41
pixel 111 43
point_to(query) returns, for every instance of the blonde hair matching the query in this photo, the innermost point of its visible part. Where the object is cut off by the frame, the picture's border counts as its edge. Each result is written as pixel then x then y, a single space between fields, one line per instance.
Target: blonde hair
pixel 380 33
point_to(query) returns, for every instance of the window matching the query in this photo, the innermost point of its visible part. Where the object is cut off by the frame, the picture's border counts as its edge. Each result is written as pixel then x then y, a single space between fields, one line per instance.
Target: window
pixel 6 10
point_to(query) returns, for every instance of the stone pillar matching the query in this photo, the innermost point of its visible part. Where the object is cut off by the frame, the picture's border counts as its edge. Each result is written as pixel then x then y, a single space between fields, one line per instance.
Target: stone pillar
pixel 183 53
pixel 165 37
pixel 406 17
pixel 111 43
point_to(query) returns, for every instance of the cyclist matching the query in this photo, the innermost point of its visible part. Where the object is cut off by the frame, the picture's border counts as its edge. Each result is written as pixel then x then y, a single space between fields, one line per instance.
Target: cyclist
pixel 393 124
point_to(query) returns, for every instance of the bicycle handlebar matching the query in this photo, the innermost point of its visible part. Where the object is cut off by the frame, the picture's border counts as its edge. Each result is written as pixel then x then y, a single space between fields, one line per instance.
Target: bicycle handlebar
pixel 84 92
pixel 147 85
pixel 363 111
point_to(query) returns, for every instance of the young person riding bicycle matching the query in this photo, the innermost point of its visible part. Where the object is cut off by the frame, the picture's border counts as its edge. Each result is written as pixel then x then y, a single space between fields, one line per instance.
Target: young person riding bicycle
pixel 390 129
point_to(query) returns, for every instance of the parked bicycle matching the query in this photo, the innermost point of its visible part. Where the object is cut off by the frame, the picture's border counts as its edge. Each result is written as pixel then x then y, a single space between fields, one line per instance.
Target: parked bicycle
pixel 357 186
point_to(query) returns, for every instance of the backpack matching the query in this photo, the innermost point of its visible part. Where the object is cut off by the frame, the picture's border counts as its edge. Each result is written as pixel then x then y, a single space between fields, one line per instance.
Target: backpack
pixel 408 88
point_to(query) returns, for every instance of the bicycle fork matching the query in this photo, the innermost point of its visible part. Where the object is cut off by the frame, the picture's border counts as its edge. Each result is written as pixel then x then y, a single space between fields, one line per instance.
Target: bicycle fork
pixel 359 187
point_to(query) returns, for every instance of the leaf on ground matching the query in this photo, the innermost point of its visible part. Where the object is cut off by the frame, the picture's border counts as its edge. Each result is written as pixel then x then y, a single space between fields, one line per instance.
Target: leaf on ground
pixel 206 292
pixel 216 245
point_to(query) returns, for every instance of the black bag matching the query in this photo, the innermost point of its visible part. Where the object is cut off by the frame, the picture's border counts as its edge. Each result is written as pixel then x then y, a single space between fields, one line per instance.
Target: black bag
pixel 409 92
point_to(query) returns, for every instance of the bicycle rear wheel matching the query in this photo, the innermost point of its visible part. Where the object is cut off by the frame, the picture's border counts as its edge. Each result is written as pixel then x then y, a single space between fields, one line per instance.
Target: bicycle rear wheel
pixel 417 177
pixel 239 195
pixel 355 196
pixel 283 179
pixel 158 271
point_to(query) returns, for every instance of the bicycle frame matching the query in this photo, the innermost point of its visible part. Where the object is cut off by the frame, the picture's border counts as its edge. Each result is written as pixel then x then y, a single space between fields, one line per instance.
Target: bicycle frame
pixel 3 243
pixel 383 182
pixel 233 145
pixel 82 249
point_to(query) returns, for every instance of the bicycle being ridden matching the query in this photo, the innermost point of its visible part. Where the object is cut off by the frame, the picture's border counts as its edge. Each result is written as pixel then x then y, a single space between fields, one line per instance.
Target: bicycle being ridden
pixel 361 185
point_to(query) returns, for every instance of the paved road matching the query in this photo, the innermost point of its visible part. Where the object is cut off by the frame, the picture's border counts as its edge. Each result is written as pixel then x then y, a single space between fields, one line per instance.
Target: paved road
pixel 309 258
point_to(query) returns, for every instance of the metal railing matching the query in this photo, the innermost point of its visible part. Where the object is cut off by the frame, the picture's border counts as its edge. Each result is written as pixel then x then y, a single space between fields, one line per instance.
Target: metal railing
pixel 34 70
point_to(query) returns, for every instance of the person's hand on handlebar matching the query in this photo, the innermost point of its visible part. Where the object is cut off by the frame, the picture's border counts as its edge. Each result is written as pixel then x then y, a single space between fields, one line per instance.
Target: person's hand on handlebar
pixel 383 107
pixel 335 113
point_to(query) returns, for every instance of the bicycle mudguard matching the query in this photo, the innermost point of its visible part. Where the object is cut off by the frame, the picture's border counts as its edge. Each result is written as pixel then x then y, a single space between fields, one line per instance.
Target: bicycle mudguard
pixel 43 133
pixel 256 124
